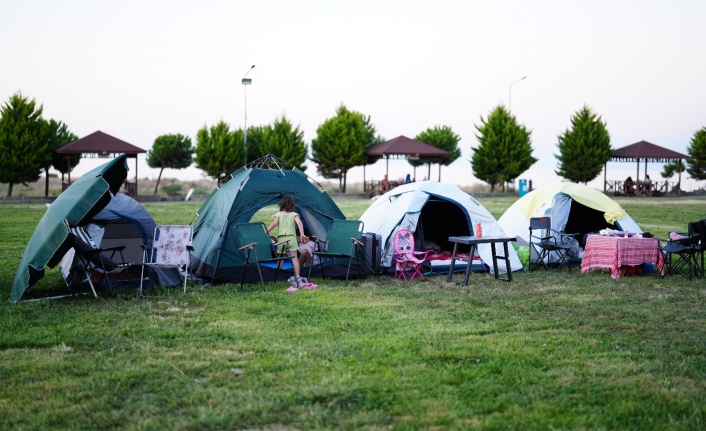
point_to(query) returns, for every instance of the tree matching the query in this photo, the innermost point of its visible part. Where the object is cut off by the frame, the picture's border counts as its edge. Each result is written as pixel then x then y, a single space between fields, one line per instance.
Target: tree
pixel 505 149
pixel 440 137
pixel 669 169
pixel 340 144
pixel 219 152
pixel 57 135
pixel 23 146
pixel 170 151
pixel 585 149
pixel 257 135
pixel 286 142
pixel 697 155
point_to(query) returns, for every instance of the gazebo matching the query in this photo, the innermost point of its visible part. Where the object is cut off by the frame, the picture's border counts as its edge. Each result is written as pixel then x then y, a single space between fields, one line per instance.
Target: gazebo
pixel 404 147
pixel 98 145
pixel 648 152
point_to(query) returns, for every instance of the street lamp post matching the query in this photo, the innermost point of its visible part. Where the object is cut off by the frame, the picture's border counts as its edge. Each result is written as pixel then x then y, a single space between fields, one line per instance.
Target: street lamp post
pixel 246 81
pixel 509 100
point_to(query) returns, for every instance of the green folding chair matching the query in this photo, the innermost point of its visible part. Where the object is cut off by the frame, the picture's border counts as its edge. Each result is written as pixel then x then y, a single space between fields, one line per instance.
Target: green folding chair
pixel 343 240
pixel 257 247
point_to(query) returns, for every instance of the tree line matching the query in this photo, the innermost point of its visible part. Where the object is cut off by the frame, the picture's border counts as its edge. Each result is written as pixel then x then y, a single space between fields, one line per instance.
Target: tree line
pixel 504 151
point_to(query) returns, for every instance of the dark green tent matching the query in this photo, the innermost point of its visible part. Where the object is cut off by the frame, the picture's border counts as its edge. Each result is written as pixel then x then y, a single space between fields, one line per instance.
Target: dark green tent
pixel 249 189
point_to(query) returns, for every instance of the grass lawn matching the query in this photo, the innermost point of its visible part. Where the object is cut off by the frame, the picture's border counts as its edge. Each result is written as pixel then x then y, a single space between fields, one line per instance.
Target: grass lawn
pixel 560 350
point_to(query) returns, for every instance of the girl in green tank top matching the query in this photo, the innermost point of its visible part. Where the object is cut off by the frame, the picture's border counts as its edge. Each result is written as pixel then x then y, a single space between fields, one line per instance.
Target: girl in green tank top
pixel 286 221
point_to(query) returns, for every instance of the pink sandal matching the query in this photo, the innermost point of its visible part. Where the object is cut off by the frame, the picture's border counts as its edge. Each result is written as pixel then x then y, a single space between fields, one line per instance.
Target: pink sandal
pixel 310 286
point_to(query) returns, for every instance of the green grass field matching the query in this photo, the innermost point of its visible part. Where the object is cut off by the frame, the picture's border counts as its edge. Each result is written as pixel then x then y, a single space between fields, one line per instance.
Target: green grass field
pixel 559 350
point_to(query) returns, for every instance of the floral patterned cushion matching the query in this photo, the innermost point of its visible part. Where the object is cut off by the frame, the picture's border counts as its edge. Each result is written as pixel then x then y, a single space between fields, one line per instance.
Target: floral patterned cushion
pixel 170 247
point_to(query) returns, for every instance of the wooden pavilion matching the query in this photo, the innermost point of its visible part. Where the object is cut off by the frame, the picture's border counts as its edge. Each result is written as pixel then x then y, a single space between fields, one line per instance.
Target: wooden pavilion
pixel 404 147
pixel 646 152
pixel 99 145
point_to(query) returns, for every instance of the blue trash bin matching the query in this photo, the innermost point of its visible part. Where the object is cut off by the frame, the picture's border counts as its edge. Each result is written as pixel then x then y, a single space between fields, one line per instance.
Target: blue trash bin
pixel 524 189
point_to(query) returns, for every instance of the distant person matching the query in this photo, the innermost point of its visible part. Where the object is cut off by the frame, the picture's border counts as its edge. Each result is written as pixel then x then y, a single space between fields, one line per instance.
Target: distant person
pixel 646 186
pixel 408 179
pixel 384 184
pixel 629 186
pixel 287 221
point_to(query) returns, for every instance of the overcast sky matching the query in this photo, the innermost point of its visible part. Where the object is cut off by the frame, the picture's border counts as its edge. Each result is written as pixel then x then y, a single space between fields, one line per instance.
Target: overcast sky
pixel 140 69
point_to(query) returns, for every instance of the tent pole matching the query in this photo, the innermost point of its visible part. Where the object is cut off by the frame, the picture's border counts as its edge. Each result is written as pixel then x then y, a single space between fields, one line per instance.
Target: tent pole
pixel 605 178
pixel 439 172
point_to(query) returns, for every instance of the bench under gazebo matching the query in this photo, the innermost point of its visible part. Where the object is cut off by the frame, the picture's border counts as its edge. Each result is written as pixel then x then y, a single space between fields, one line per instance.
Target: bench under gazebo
pixel 100 145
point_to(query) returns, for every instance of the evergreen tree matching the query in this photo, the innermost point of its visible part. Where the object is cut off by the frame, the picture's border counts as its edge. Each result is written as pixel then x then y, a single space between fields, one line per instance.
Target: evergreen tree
pixel 57 135
pixel 23 144
pixel 170 151
pixel 442 137
pixel 257 135
pixel 219 152
pixel 697 155
pixel 505 149
pixel 584 149
pixel 285 142
pixel 340 144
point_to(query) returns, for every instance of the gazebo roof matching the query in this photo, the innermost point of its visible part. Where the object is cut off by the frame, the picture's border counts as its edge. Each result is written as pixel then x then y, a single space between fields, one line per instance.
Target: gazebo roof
pixel 644 150
pixel 101 144
pixel 403 146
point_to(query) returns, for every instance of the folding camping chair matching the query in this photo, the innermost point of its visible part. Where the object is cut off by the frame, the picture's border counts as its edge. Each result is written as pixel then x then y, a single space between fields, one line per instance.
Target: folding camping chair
pixel 407 260
pixel 547 241
pixel 699 228
pixel 680 254
pixel 343 240
pixel 258 247
pixel 171 248
pixel 93 259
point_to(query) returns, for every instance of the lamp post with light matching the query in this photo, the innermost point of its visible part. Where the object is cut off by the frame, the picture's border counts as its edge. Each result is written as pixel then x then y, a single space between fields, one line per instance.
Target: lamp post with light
pixel 509 100
pixel 246 81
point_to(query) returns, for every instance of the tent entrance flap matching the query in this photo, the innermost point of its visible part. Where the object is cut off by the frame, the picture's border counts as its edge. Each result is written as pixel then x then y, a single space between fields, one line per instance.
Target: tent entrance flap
pixel 439 220
pixel 583 220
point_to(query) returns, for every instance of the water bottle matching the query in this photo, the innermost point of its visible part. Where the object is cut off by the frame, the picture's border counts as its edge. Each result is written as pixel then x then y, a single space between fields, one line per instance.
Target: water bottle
pixel 479 230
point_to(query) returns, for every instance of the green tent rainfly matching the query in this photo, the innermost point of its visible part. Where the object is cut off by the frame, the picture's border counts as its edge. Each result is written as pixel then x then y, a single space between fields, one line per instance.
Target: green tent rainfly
pixel 75 206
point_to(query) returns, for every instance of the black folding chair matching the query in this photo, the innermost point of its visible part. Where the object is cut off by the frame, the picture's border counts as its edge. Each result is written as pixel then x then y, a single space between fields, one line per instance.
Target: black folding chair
pixel 547 244
pixel 679 253
pixel 699 229
pixel 93 259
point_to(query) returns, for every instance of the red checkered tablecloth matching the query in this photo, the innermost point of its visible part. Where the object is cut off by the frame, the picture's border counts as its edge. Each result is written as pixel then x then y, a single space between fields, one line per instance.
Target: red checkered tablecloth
pixel 610 253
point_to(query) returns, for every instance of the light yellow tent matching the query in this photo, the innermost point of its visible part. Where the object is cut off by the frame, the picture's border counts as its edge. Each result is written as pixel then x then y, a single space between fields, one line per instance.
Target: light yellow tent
pixel 555 201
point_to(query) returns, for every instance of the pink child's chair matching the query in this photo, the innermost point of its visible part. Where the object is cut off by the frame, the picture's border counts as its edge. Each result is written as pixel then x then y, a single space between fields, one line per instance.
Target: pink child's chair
pixel 408 262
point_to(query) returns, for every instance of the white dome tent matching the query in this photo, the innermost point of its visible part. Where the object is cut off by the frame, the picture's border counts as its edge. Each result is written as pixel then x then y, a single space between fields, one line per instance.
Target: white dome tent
pixel 433 211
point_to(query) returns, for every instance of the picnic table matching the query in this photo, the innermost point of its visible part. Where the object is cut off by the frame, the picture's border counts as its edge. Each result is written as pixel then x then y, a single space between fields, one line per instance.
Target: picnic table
pixel 473 241
pixel 613 252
